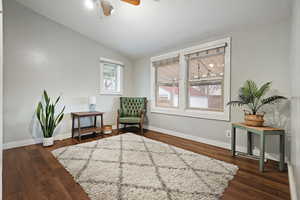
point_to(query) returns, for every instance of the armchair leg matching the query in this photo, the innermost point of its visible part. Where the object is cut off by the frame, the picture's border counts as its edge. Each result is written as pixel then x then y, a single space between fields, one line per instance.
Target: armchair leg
pixel 142 128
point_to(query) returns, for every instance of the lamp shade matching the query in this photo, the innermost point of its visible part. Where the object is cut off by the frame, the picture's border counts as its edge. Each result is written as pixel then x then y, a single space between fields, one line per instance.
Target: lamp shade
pixel 92 100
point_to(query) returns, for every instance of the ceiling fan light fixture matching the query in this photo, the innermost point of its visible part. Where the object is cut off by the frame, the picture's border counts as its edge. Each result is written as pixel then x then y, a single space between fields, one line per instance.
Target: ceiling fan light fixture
pixel 89 4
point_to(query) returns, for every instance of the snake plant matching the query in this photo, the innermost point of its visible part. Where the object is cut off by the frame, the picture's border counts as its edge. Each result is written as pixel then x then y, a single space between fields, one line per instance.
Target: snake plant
pixel 252 96
pixel 45 113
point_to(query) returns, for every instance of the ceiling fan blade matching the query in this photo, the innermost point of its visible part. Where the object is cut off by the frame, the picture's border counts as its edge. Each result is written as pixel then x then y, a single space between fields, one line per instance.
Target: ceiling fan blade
pixel 133 2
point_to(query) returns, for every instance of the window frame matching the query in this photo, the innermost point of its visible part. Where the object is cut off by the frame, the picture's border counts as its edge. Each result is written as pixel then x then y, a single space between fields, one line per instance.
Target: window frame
pixel 183 109
pixel 103 91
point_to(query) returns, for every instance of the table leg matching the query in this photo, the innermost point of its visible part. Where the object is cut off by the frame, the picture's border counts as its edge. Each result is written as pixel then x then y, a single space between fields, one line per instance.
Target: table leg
pixel 233 135
pixel 73 121
pixel 262 153
pixel 282 152
pixel 249 147
pixel 95 121
pixel 101 123
pixel 79 130
pixel 95 124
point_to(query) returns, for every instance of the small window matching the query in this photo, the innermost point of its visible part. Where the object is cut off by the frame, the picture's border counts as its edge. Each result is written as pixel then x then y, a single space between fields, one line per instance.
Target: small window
pixel 205 79
pixel 111 77
pixel 167 82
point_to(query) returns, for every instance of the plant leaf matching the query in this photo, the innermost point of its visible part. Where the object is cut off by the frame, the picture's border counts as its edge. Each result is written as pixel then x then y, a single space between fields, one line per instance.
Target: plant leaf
pixel 46 97
pixel 263 90
pixel 61 113
pixel 236 103
pixel 59 119
pixel 272 99
pixel 57 100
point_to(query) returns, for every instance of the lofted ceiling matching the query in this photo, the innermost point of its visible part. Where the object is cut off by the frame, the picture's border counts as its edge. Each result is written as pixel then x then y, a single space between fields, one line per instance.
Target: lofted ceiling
pixel 155 25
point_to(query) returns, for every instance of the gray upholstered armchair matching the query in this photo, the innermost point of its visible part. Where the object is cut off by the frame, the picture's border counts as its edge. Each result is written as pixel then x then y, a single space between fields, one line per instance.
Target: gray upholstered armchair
pixel 132 111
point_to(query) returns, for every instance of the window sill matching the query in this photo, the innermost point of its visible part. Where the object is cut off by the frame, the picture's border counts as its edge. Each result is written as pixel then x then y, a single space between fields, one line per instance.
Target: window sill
pixel 111 93
pixel 222 116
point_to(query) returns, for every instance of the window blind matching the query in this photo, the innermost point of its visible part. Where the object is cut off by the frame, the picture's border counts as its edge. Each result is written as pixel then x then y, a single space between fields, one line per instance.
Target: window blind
pixel 165 62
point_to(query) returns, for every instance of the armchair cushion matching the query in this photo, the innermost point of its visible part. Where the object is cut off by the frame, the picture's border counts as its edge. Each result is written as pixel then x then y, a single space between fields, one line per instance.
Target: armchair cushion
pixel 130 120
pixel 132 106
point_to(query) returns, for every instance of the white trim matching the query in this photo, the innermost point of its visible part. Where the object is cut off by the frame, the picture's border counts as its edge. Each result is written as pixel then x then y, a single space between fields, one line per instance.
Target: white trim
pixel 32 141
pixel 111 93
pixel 292 182
pixel 182 110
pixel 191 113
pixel 173 54
pixel 111 61
pixel 63 136
pixel 207 45
pixel 21 143
pixel 194 138
pixel 216 143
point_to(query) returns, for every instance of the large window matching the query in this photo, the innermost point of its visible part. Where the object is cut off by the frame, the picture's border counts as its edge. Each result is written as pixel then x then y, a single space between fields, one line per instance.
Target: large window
pixel 111 76
pixel 193 82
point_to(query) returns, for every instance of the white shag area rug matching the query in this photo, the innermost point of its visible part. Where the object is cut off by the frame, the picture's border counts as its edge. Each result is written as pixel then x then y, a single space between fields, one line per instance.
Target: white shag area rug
pixel 133 167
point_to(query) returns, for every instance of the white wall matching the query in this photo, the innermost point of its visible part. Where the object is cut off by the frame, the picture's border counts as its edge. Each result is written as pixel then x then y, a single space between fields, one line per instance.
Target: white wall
pixel 295 118
pixel 259 53
pixel 41 54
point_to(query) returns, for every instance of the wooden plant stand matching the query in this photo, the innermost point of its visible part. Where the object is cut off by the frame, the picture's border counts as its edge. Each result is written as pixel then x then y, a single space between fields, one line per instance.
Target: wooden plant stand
pixel 262 132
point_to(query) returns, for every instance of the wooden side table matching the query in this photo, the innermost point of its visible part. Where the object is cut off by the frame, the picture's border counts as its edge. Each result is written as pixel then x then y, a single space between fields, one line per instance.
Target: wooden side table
pixel 262 132
pixel 82 130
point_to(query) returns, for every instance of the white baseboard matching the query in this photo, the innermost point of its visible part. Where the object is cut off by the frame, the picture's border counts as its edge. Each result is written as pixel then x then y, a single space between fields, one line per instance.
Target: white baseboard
pixel 63 136
pixel 21 143
pixel 195 138
pixel 32 141
pixel 211 142
pixel 292 182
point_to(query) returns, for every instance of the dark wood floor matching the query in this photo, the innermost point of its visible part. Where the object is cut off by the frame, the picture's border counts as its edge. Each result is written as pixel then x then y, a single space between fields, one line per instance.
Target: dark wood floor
pixel 32 173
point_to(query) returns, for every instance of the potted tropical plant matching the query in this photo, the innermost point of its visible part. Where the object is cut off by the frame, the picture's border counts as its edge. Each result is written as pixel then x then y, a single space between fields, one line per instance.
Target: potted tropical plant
pixel 251 96
pixel 48 118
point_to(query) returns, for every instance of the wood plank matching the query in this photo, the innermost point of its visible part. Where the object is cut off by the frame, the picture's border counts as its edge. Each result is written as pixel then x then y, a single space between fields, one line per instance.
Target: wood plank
pixel 87 114
pixel 33 173
pixel 89 129
pixel 263 128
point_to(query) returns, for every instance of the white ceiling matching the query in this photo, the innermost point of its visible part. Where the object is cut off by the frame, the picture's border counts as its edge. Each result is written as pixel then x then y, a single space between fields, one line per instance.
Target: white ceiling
pixel 156 25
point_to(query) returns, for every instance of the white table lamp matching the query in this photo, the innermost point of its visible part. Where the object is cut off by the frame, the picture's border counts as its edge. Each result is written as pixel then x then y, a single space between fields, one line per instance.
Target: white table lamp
pixel 92 103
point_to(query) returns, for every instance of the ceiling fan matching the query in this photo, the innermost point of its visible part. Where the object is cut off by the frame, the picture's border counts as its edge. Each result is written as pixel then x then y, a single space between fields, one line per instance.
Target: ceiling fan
pixel 133 2
pixel 107 7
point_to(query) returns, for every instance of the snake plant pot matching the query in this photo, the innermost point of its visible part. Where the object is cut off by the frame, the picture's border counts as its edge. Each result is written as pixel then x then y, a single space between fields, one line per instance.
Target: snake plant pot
pixel 48 141
pixel 254 120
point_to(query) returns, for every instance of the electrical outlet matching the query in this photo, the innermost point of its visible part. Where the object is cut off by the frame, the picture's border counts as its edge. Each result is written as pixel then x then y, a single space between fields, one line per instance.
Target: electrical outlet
pixel 228 133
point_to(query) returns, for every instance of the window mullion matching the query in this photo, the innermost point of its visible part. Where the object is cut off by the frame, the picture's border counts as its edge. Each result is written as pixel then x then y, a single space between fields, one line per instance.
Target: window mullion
pixel 182 82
